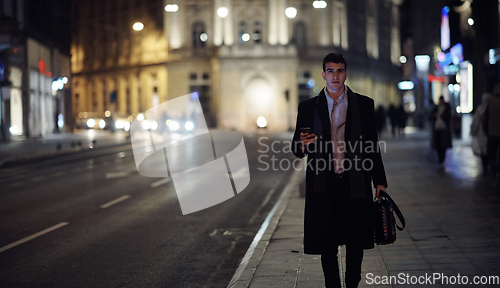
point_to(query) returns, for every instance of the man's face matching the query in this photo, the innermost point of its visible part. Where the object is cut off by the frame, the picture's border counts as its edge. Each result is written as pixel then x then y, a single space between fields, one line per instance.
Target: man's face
pixel 335 76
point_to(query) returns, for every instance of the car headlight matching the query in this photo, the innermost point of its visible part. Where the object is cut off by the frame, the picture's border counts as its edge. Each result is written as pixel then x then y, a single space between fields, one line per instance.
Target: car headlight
pixel 102 124
pixel 119 124
pixel 174 125
pixel 154 125
pixel 146 124
pixel 91 123
pixel 189 125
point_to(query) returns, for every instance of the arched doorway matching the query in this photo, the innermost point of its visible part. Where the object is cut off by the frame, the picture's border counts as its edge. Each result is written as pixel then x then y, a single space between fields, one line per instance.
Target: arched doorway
pixel 258 101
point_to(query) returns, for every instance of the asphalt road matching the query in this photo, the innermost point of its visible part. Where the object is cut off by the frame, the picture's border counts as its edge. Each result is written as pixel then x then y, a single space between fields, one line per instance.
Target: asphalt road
pixel 91 220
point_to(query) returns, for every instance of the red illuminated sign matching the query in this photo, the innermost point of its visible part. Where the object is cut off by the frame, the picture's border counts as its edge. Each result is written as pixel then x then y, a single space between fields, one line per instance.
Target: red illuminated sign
pixel 432 78
pixel 42 67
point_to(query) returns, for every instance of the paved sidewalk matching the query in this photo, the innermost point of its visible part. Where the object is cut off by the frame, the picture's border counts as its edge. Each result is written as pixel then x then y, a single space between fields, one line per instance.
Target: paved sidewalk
pixel 452 217
pixel 21 149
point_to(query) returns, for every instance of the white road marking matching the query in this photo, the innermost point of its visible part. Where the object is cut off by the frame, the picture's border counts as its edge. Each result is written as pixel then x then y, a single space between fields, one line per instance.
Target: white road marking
pixel 125 197
pixel 33 236
pixel 160 182
pixel 111 175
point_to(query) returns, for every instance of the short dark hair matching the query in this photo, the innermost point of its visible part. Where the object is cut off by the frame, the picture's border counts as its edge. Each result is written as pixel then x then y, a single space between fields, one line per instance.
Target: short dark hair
pixel 335 58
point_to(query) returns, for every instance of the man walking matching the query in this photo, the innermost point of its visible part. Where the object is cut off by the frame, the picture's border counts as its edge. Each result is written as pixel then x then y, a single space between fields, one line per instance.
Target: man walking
pixel 492 129
pixel 340 139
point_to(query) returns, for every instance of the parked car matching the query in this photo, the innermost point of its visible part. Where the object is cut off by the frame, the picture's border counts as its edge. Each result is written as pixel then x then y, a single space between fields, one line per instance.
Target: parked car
pixel 93 120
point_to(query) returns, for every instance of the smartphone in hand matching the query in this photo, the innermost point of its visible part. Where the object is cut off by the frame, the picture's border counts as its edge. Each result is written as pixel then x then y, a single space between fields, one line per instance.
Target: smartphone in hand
pixel 307 130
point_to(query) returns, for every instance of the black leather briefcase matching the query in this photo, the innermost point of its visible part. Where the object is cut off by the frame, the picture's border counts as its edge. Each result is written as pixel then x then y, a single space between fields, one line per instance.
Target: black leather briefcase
pixel 384 226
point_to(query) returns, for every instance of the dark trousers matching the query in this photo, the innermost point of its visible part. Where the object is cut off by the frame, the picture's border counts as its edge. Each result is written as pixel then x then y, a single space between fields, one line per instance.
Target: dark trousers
pixel 440 147
pixel 484 163
pixel 354 249
pixel 493 147
pixel 354 258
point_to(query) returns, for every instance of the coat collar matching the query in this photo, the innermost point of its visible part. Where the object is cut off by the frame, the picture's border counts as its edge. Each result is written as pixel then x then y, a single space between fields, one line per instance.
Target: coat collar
pixel 322 108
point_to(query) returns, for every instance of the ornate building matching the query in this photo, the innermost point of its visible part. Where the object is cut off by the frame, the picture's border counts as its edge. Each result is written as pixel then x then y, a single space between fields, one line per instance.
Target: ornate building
pixel 246 59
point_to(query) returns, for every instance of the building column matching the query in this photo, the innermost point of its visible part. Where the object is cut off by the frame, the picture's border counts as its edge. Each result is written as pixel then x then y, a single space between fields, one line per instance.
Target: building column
pixel 80 103
pixel 217 24
pixel 173 23
pixel 273 23
pixel 99 95
pixel 134 94
pixel 228 24
pixel 122 95
pixel 89 105
pixel 339 31
pixel 324 27
pixel 146 90
pixel 162 80
pixel 284 38
pixel 395 35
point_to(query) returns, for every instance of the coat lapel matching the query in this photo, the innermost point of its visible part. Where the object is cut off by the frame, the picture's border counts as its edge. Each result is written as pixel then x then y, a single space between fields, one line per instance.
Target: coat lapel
pixel 322 108
pixel 348 122
pixel 353 140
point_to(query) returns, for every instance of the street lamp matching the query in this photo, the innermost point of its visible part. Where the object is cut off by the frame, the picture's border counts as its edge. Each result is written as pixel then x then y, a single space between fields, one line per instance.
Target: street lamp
pixel 138 26
pixel 319 4
pixel 291 12
pixel 245 37
pixel 171 8
pixel 203 37
pixel 222 12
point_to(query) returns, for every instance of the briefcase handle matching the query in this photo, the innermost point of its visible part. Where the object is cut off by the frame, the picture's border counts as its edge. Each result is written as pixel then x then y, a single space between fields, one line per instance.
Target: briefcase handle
pixel 395 208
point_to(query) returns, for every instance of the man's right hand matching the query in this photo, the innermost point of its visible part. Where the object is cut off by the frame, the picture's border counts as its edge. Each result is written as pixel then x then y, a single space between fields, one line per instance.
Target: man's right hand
pixel 307 138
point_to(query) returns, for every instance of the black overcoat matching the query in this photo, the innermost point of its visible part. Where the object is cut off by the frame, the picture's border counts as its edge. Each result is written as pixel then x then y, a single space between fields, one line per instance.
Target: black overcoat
pixel 325 217
pixel 445 141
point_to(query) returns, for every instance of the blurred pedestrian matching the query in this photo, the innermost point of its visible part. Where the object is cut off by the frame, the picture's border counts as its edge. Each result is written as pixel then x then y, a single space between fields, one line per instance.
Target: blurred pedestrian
pixel 380 119
pixel 402 118
pixel 491 125
pixel 441 133
pixel 339 196
pixel 479 138
pixel 112 124
pixel 392 113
